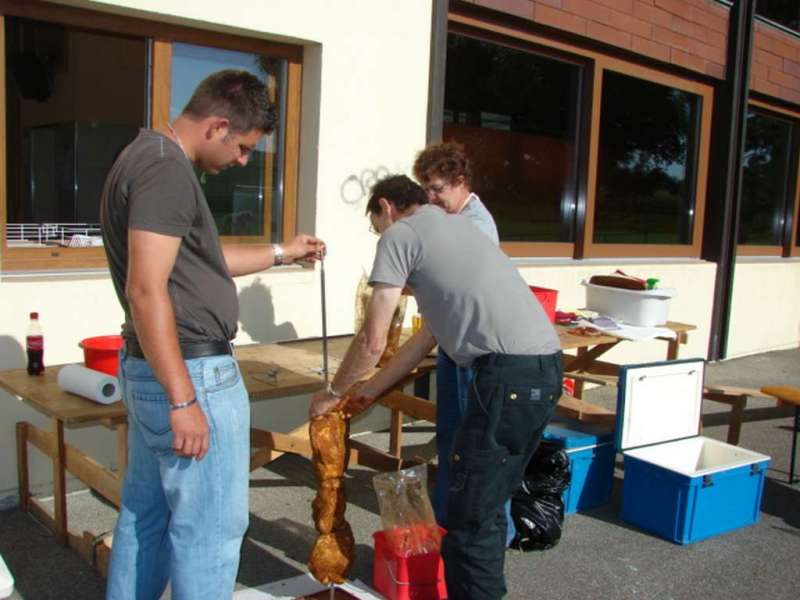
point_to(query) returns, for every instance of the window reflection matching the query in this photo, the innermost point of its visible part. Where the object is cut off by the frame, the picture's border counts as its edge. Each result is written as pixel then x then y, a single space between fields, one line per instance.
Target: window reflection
pixel 516 112
pixel 765 180
pixel 783 12
pixel 245 201
pixel 63 130
pixel 646 163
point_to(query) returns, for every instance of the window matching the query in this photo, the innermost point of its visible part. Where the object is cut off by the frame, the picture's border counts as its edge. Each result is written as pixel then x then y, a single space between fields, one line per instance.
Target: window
pixel 769 188
pixel 516 113
pixel 646 163
pixel 74 97
pixel 66 129
pixel 783 12
pixel 577 153
pixel 245 201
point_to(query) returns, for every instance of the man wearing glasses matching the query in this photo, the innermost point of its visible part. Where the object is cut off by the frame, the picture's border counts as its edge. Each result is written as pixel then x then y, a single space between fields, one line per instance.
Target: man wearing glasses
pixel 481 312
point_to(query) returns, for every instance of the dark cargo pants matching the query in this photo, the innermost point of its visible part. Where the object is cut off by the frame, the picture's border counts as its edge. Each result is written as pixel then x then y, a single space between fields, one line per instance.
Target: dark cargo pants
pixel 510 403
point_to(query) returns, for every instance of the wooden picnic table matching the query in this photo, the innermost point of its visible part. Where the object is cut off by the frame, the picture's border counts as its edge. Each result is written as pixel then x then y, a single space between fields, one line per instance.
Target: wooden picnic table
pixel 270 371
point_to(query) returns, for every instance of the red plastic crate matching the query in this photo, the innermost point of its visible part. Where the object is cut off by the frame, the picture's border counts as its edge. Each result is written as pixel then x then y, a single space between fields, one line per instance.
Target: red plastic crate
pixel 547 298
pixel 416 577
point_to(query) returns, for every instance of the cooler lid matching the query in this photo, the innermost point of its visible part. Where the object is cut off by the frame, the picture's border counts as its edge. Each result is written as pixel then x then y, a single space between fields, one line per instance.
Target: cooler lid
pixel 575 434
pixel 659 402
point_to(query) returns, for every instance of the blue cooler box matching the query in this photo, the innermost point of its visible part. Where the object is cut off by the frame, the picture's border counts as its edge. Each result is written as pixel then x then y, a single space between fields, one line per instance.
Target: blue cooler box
pixel 679 485
pixel 591 453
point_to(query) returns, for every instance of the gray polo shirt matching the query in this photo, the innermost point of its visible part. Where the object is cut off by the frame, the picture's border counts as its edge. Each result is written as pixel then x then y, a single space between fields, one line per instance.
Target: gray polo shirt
pixel 152 186
pixel 468 291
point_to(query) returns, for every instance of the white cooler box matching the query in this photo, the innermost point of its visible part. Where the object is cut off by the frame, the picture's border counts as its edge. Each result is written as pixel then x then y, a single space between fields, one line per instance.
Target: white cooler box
pixel 642 308
pixel 6 580
pixel 679 485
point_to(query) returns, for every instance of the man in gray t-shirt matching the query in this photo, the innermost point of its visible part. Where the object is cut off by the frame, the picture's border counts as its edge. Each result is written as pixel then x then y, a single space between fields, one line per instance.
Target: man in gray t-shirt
pixel 184 505
pixel 482 313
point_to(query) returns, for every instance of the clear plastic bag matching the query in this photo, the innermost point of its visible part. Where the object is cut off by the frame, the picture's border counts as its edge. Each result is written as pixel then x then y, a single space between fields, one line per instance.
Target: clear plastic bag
pixel 406 511
pixel 363 294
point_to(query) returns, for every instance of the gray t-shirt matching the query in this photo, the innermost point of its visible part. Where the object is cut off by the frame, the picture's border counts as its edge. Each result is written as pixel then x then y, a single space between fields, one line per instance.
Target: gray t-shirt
pixel 478 214
pixel 470 294
pixel 152 186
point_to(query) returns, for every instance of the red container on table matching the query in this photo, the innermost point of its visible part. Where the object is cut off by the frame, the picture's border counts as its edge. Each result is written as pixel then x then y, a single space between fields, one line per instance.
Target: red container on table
pixel 547 298
pixel 415 577
pixel 102 353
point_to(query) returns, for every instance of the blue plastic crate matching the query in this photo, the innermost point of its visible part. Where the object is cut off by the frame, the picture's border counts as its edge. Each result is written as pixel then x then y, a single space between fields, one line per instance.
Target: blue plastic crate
pixel 591 455
pixel 679 485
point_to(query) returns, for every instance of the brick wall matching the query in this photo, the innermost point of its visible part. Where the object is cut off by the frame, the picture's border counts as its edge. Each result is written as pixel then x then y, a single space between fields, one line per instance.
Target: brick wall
pixel 775 69
pixel 689 33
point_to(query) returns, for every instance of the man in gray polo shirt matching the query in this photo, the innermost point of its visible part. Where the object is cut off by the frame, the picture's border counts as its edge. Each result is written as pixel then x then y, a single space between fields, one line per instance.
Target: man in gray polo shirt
pixel 478 308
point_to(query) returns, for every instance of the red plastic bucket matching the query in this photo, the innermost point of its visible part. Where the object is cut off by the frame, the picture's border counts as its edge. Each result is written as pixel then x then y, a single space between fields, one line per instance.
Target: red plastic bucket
pixel 101 353
pixel 547 298
pixel 416 577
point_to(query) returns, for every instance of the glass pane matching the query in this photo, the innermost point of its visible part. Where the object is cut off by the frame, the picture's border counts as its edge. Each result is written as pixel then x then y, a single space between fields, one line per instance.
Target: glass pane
pixel 245 201
pixel 646 163
pixel 783 12
pixel 515 112
pixel 765 180
pixel 63 130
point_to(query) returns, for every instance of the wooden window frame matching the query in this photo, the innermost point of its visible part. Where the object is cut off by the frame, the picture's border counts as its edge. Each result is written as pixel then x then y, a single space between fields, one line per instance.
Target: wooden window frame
pixel 481 26
pixel 163 35
pixel 790 246
pixel 706 94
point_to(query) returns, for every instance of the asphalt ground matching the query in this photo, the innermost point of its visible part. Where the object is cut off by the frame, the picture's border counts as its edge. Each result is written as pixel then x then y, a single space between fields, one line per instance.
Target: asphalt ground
pixel 598 556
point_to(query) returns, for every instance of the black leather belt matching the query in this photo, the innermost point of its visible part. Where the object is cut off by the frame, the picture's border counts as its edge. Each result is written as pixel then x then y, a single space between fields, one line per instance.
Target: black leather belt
pixel 188 349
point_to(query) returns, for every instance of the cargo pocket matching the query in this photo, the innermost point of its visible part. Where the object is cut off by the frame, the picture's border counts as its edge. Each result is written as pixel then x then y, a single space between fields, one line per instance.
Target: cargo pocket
pixel 524 410
pixel 477 484
pixel 152 414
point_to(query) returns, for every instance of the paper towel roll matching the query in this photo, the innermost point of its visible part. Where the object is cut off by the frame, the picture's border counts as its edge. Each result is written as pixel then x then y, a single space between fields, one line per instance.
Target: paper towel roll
pixel 89 383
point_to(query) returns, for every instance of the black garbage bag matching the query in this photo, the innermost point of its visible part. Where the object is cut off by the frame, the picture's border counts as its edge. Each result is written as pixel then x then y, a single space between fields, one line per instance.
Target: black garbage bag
pixel 537 507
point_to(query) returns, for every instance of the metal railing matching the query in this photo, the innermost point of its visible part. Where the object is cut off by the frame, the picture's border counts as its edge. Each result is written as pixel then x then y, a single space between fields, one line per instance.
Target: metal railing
pixel 63 234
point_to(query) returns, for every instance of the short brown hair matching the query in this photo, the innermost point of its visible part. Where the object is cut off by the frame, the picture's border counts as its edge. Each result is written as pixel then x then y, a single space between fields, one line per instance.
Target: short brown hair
pixel 236 95
pixel 397 189
pixel 446 160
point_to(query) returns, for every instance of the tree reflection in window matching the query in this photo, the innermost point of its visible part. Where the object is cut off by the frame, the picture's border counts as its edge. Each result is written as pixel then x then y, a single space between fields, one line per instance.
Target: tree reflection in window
pixel 516 113
pixel 765 180
pixel 646 163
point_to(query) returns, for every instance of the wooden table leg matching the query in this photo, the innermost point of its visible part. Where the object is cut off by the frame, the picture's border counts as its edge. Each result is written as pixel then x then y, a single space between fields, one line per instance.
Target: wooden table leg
pixel 22 464
pixel 396 433
pixel 578 389
pixel 59 482
pixel 735 422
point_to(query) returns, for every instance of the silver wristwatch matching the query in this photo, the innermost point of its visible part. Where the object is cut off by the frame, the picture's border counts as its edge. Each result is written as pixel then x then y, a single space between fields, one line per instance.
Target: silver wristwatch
pixel 277 251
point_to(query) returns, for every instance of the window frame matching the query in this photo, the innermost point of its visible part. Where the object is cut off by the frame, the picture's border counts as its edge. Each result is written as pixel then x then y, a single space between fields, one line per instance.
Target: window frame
pixel 162 35
pixel 493 29
pixel 703 144
pixel 521 249
pixel 790 245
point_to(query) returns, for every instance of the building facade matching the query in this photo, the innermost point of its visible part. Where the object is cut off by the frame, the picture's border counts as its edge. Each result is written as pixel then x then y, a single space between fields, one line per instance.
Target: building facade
pixel 591 124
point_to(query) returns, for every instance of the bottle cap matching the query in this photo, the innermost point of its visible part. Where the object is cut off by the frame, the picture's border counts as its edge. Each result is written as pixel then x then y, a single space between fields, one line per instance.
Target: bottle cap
pixel 34 315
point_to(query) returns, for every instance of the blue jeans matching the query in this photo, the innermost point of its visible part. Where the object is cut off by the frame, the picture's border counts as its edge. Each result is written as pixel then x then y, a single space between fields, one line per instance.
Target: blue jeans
pixel 452 394
pixel 182 520
pixel 511 399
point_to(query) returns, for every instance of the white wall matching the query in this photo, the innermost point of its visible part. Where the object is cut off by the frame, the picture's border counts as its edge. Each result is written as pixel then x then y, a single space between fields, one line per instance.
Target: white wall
pixel 765 312
pixel 365 90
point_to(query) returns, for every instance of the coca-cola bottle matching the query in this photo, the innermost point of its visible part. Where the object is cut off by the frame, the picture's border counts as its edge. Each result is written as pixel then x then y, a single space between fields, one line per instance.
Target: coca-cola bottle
pixel 34 343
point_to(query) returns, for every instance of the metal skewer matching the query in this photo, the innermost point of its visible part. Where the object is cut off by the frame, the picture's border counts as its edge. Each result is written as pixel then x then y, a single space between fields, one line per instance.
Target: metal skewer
pixel 324 323
pixel 332 589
